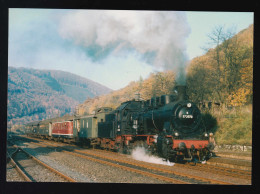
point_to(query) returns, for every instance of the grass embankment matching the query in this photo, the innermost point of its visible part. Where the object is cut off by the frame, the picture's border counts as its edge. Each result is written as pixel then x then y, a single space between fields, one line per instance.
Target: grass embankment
pixel 235 128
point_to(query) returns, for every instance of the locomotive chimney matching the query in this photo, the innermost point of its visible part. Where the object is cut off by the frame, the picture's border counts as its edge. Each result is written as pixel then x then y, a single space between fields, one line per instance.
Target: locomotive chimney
pixel 181 92
pixel 137 96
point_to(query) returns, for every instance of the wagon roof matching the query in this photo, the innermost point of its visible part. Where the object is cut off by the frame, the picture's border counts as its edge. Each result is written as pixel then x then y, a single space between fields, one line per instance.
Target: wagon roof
pixel 64 118
pixel 45 121
pixel 33 123
pixel 84 116
pixel 103 109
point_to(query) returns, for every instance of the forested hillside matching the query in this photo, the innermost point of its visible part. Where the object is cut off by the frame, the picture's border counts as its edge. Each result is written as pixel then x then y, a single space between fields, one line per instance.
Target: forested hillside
pixel 224 74
pixel 157 84
pixel 40 94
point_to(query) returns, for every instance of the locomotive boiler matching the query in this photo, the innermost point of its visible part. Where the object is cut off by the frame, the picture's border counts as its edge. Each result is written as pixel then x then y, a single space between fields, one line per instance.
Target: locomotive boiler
pixel 170 115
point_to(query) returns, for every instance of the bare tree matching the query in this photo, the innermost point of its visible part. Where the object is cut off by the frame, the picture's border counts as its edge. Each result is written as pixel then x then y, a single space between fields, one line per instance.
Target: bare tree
pixel 219 74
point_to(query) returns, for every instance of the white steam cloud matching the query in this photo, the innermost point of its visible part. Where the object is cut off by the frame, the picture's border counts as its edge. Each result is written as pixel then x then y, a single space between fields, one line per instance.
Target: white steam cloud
pixel 156 35
pixel 139 153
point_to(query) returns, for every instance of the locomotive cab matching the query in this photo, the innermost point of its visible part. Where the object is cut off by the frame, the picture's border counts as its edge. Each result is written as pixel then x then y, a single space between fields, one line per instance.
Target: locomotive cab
pixel 124 121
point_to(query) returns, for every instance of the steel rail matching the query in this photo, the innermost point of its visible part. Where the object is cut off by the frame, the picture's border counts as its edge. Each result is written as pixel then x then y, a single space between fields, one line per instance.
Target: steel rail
pixel 237 173
pixel 160 177
pixel 234 156
pixel 49 167
pixel 210 168
pixel 54 170
pixel 226 169
pixel 171 171
pixel 18 169
pixel 213 181
pixel 230 166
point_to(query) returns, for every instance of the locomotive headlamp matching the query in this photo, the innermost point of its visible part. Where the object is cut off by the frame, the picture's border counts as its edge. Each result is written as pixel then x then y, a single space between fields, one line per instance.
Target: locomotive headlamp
pixel 189 105
pixel 176 134
pixel 155 138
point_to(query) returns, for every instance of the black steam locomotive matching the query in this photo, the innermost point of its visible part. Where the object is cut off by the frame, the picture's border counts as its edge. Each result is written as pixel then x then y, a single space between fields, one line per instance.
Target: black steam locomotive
pixel 168 126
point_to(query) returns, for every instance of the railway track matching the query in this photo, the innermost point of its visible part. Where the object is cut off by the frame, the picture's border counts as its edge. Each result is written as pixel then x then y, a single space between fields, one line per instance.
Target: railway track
pixel 160 173
pixel 243 174
pixel 231 172
pixel 237 173
pixel 166 171
pixel 34 170
pixel 116 164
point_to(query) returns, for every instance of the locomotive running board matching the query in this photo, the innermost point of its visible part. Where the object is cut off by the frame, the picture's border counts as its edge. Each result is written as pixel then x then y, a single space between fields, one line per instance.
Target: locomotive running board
pixel 187 158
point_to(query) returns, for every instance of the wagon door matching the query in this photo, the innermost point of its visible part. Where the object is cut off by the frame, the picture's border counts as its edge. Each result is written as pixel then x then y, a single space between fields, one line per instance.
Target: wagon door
pixel 78 126
pixel 50 129
pixel 94 127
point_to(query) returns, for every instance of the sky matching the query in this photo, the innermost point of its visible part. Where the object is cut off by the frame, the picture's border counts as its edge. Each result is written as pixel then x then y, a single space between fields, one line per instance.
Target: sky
pixel 115 47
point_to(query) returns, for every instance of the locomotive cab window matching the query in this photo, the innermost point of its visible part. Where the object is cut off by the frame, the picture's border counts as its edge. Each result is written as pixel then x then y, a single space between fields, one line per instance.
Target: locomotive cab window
pixel 125 112
pixel 118 116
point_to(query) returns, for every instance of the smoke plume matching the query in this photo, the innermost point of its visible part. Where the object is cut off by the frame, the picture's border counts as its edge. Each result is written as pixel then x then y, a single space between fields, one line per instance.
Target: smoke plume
pixel 139 153
pixel 158 36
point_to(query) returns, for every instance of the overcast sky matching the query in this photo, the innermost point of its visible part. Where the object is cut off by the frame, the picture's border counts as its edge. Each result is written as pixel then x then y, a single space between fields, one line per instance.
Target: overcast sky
pixel 113 47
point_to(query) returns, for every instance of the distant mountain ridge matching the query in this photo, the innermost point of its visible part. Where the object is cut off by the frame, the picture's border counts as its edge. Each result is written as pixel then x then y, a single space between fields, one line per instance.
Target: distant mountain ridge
pixel 38 94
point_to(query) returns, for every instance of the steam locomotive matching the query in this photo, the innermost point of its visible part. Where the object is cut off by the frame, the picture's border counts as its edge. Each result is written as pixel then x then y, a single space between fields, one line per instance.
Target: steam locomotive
pixel 168 126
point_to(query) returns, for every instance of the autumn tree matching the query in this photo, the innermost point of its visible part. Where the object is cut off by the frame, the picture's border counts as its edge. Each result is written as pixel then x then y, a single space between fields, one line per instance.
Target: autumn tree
pixel 163 83
pixel 227 66
pixel 199 81
pixel 147 87
pixel 156 84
